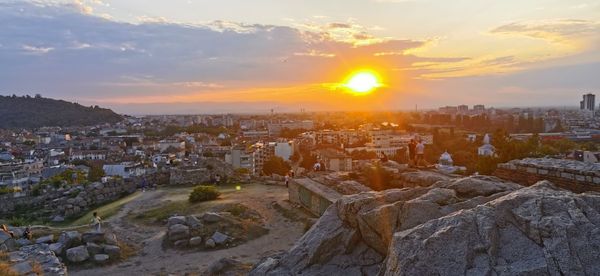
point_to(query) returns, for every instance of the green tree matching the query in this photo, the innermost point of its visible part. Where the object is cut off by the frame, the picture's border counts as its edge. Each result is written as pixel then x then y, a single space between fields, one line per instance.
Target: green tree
pixel 276 165
pixel 96 173
pixel 377 178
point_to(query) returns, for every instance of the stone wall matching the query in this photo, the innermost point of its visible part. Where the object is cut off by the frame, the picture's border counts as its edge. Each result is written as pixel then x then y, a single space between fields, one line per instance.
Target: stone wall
pixel 60 203
pixel 189 176
pixel 312 195
pixel 568 174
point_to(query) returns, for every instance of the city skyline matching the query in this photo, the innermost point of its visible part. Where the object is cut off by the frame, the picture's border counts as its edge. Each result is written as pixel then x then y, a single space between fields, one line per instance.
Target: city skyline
pixel 204 57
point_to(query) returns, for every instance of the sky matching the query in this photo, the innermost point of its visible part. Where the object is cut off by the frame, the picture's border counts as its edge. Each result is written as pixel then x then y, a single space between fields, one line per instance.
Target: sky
pixel 244 56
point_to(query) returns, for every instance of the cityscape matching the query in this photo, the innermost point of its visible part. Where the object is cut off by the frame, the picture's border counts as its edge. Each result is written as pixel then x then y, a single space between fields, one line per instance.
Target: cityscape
pixel 309 138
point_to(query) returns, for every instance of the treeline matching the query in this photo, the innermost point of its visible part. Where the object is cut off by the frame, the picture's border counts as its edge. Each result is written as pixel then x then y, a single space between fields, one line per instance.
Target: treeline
pixel 35 112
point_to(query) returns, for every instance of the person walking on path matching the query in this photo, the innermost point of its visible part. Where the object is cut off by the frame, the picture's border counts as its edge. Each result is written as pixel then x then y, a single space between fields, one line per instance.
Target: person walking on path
pixel 287 180
pixel 96 222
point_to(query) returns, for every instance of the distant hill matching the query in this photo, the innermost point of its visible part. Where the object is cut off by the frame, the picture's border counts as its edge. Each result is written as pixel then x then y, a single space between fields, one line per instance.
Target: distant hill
pixel 34 112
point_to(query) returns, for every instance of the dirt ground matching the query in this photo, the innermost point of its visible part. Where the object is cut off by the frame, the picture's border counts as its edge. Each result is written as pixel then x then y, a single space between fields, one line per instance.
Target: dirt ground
pixel 152 259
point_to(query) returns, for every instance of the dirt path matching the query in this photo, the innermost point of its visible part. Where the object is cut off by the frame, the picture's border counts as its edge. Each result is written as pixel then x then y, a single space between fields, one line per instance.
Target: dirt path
pixel 152 259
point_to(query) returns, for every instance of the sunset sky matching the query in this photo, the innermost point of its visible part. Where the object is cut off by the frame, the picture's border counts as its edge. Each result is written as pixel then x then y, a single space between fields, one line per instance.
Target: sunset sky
pixel 187 56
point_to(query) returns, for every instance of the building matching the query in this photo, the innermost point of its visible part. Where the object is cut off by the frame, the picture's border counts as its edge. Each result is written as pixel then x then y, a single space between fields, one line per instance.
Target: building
pixel 240 158
pixel 255 134
pixel 588 103
pixel 88 155
pixel 124 170
pixel 164 145
pixel 335 160
pixel 339 137
pixel 448 109
pixel 463 108
pixel 486 149
pixel 479 108
pixel 284 150
pixel 276 128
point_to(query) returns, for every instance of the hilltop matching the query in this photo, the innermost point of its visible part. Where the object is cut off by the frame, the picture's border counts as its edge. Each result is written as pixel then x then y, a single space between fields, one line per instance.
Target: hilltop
pixel 33 112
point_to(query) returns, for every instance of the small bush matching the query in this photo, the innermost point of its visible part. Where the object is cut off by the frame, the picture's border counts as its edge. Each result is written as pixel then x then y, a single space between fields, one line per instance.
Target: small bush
pixel 17 221
pixel 204 193
pixel 6 190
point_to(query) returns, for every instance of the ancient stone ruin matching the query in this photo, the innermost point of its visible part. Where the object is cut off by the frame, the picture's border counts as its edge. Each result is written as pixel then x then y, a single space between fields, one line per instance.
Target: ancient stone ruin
pixel 212 230
pixel 59 203
pixel 50 254
pixel 450 226
pixel 568 174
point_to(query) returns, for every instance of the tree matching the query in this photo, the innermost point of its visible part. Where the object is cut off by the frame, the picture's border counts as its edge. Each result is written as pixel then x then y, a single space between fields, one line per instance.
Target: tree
pixel 96 173
pixel 377 178
pixel 363 155
pixel 486 165
pixel 276 165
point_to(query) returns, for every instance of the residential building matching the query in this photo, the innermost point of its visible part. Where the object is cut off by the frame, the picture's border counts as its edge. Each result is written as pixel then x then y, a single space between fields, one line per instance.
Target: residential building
pixel 88 155
pixel 335 160
pixel 588 103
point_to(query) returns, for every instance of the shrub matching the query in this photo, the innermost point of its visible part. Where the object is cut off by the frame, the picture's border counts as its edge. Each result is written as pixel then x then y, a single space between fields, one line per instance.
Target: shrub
pixel 6 190
pixel 17 221
pixel 204 193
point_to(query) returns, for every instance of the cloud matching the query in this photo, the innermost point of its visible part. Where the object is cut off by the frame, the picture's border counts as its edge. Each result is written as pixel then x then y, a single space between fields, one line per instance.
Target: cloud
pixel 559 31
pixel 84 52
pixel 37 50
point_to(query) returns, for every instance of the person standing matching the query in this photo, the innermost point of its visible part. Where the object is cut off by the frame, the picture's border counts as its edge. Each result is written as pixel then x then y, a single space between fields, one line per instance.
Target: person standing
pixel 287 180
pixel 420 150
pixel 411 151
pixel 96 222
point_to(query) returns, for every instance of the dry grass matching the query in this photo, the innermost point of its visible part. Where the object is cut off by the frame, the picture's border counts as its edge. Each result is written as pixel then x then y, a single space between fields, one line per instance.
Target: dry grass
pixel 4 256
pixel 127 251
pixel 6 270
pixel 37 269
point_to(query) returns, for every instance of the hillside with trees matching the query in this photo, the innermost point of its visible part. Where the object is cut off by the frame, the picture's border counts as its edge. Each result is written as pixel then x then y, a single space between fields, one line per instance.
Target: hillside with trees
pixel 34 112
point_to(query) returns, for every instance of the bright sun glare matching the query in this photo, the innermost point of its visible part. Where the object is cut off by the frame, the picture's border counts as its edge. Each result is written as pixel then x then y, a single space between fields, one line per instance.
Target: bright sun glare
pixel 362 82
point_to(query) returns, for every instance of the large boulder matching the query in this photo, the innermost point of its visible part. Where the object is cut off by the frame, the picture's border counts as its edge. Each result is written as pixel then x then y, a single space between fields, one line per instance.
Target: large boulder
pixel 101 258
pixel 77 254
pixel 35 255
pixel 176 220
pixel 111 238
pixel 92 236
pixel 219 238
pixel 70 238
pixel 469 226
pixel 195 241
pixel 45 239
pixel 93 248
pixel 113 251
pixel 178 232
pixel 193 222
pixel 58 248
pixel 211 217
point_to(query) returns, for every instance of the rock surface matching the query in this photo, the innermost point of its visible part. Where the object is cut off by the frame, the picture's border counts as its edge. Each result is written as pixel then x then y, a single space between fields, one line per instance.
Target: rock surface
pixel 474 225
pixel 24 260
pixel 178 232
pixel 77 254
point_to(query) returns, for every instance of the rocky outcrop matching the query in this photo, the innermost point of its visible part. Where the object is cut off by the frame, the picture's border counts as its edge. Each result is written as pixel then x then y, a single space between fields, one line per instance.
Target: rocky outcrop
pixel 214 229
pixel 475 225
pixel 28 257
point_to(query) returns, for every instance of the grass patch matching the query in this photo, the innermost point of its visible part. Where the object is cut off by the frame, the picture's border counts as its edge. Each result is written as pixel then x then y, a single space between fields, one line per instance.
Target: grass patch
pixel 181 207
pixel 105 211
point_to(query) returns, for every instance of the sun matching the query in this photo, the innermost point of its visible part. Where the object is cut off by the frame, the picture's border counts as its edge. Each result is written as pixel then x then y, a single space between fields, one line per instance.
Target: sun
pixel 362 82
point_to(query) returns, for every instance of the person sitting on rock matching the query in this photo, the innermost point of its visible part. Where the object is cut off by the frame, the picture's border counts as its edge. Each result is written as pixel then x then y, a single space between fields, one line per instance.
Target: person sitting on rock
pixel 5 229
pixel 27 233
pixel 96 222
